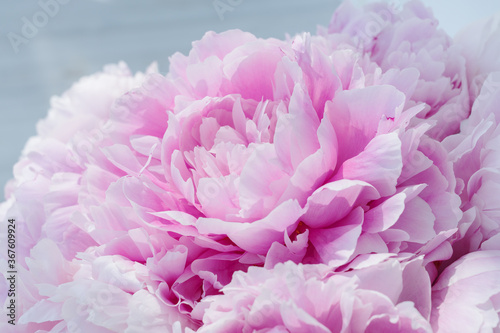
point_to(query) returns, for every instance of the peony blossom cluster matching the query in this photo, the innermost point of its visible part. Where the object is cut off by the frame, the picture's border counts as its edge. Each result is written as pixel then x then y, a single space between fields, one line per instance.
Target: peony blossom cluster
pixel 344 181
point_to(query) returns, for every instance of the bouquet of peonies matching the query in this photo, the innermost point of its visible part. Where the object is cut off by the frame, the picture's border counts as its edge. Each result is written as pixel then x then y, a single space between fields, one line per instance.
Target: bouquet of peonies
pixel 347 181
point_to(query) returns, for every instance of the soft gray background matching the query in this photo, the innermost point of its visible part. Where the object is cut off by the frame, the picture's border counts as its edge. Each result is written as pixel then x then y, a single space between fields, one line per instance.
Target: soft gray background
pixel 87 34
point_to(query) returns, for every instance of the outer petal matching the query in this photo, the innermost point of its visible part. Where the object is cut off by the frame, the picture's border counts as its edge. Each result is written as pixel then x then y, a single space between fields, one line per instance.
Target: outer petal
pixel 466 297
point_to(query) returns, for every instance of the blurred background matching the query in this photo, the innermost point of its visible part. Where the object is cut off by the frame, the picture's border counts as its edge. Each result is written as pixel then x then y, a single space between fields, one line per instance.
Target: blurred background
pixel 73 38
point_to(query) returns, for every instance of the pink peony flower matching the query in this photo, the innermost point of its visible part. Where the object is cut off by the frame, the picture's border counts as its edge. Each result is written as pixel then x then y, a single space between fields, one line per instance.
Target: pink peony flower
pixel 466 298
pixel 377 294
pixel 479 45
pixel 406 38
pixel 286 155
pixel 474 151
pixel 94 293
pixel 151 196
pixel 44 194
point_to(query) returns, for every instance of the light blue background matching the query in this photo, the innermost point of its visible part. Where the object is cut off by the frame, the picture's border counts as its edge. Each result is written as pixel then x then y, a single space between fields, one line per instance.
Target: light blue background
pixel 87 34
